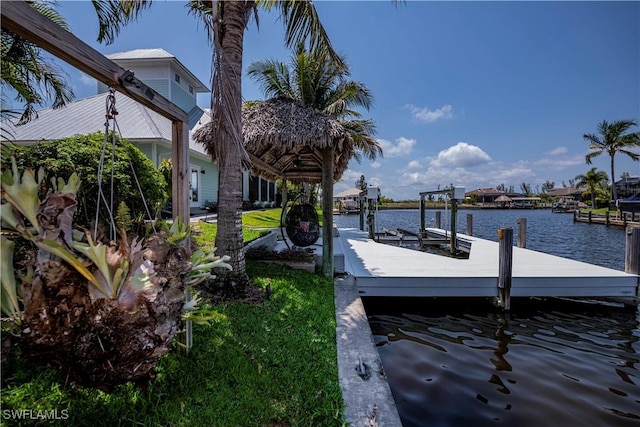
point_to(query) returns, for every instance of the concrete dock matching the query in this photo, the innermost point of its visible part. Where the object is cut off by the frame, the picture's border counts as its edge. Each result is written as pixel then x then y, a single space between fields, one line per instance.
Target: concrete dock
pixel 387 270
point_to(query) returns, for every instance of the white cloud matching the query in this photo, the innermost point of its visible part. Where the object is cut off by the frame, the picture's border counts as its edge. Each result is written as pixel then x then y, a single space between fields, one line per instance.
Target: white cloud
pixel 430 116
pixel 461 154
pixel 414 164
pixel 403 146
pixel 558 151
pixel 376 165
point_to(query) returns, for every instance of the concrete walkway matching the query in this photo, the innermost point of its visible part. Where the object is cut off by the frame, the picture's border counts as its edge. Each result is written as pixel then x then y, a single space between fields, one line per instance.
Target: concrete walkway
pixel 365 390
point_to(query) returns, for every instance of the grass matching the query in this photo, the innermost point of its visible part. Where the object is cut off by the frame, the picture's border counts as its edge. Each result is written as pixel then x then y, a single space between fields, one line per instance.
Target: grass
pixel 268 218
pixel 267 364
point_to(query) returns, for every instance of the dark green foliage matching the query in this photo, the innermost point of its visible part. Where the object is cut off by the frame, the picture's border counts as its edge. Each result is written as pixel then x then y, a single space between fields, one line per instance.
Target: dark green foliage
pixel 81 154
pixel 262 252
pixel 271 363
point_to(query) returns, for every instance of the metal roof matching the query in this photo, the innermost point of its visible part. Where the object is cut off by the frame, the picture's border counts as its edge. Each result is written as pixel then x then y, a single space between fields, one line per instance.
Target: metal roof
pixel 135 121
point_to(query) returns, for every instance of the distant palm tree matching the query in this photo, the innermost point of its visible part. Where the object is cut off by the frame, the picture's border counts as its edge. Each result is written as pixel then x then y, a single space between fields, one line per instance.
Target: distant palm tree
pixel 611 139
pixel 593 180
pixel 225 23
pixel 31 77
pixel 315 80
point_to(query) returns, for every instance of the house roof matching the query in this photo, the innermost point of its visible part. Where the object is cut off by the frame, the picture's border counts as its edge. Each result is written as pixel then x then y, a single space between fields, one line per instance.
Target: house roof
pixel 485 192
pixel 87 115
pixel 349 192
pixel 565 191
pixel 121 58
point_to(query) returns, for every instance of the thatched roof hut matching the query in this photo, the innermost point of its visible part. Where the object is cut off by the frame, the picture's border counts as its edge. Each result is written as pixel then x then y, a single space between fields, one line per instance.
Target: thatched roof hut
pixel 285 139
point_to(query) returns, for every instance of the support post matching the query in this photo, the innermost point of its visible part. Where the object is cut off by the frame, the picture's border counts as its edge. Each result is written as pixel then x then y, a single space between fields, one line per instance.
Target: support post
pixel 589 217
pixel 505 266
pixel 453 243
pixel 327 211
pixel 438 218
pixel 422 214
pixel 361 204
pixel 632 251
pixel 522 232
pixel 606 218
pixel 470 224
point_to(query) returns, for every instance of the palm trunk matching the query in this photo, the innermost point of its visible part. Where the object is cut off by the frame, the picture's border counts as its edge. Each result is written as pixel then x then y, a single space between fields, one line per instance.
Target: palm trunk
pixel 614 194
pixel 227 103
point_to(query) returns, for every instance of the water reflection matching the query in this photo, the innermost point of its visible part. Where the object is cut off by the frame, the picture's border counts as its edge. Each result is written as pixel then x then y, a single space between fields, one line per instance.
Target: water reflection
pixel 459 363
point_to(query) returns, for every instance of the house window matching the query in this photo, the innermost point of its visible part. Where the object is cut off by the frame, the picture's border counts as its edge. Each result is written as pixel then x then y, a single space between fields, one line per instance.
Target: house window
pixel 177 78
pixel 191 89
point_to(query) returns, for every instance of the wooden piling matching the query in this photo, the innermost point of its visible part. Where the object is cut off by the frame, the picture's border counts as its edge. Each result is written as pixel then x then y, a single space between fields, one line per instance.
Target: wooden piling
pixel 522 232
pixel 438 218
pixel 505 266
pixel 632 251
pixel 422 214
pixel 470 224
pixel 606 218
pixel 454 220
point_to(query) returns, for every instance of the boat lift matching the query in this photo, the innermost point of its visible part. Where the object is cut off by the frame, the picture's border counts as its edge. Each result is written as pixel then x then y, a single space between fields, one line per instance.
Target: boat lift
pixel 456 193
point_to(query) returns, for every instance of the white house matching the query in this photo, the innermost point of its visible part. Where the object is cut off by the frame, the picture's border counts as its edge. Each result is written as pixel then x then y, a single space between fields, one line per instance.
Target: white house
pixel 146 129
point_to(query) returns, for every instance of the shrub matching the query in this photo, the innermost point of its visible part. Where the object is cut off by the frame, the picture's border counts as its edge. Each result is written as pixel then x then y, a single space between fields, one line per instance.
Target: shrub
pixel 81 154
pixel 262 252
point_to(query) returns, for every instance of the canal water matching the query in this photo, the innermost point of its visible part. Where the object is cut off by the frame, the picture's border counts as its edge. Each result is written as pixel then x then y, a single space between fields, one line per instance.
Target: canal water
pixel 461 362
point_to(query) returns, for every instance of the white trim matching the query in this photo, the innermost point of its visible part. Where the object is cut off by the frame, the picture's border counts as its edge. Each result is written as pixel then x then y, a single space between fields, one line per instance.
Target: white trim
pixel 195 203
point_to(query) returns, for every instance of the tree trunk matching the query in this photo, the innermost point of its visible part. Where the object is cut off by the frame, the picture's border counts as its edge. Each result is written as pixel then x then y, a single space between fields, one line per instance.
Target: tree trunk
pixel 327 212
pixel 614 193
pixel 229 239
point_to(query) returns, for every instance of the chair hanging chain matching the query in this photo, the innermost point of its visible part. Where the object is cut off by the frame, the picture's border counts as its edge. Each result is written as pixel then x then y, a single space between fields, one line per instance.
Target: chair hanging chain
pixel 110 116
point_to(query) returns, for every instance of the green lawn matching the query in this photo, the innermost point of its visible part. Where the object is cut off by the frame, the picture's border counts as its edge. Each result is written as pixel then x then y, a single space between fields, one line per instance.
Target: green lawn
pixel 267 364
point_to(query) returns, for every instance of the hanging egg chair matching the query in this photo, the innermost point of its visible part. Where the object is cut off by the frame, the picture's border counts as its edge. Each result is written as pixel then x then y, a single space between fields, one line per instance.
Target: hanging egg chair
pixel 301 223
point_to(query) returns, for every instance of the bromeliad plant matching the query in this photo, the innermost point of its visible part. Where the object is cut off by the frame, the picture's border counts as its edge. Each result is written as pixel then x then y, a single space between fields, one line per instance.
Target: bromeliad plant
pixel 103 312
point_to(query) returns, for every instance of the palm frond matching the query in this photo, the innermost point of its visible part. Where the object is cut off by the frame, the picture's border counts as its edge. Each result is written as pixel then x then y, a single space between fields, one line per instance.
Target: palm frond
pixel 302 23
pixel 113 15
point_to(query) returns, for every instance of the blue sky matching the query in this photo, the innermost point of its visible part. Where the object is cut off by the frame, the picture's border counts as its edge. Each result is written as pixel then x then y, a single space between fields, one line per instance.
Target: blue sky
pixel 470 93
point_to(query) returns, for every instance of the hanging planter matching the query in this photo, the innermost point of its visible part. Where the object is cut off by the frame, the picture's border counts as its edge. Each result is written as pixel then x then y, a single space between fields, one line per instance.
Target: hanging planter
pixel 104 313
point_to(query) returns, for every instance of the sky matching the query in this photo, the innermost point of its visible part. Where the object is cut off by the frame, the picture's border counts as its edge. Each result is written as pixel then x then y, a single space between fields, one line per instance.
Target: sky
pixel 475 94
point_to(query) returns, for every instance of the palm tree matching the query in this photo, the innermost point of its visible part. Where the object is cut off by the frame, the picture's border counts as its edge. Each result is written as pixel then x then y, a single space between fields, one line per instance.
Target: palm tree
pixel 225 22
pixel 611 139
pixel 593 179
pixel 316 81
pixel 32 78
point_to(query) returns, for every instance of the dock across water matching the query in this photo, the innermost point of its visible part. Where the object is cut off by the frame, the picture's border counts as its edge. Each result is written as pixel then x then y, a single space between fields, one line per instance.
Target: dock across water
pixel 386 270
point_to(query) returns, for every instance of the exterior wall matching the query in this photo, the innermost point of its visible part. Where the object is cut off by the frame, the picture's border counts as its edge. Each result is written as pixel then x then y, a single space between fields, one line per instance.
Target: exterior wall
pixel 208 180
pixel 181 97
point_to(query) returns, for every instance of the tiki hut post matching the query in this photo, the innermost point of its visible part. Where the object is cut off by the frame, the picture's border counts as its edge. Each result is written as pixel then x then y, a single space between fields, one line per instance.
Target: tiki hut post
pixel 327 211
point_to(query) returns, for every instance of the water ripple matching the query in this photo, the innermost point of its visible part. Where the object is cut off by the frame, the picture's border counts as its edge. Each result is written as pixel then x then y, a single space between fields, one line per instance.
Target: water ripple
pixel 456 364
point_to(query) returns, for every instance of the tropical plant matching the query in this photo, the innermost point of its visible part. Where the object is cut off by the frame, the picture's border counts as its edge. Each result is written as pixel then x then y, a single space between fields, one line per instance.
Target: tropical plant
pixel 102 312
pixel 225 23
pixel 81 154
pixel 315 80
pixel 28 75
pixel 593 180
pixel 613 138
